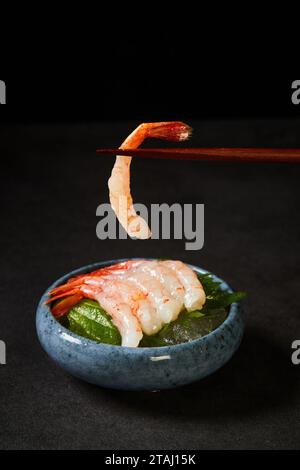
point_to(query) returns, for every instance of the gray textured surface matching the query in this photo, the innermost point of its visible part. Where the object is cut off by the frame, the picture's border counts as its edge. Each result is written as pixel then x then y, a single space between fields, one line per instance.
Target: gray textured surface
pixel 52 184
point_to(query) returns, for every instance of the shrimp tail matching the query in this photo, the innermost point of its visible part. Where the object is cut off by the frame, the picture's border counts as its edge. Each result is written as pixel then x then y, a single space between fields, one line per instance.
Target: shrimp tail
pixel 65 289
pixel 174 131
pixel 71 292
pixel 65 305
pixel 76 281
pixel 68 292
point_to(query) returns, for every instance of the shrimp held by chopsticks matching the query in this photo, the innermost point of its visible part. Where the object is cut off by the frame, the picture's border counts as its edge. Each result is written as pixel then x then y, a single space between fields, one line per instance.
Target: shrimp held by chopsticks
pixel 119 182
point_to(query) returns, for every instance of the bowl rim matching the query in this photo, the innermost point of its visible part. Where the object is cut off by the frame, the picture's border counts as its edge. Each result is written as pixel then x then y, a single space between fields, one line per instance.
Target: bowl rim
pixel 233 312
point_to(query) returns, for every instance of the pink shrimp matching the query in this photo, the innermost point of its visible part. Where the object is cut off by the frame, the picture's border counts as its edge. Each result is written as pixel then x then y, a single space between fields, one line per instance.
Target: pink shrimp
pixel 98 286
pixel 194 298
pixel 119 182
pixel 72 286
pixel 139 295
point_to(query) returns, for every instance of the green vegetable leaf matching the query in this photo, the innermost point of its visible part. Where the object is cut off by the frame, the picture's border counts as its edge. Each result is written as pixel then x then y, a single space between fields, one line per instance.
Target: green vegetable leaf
pixel 186 328
pixel 193 325
pixel 89 320
pixel 215 297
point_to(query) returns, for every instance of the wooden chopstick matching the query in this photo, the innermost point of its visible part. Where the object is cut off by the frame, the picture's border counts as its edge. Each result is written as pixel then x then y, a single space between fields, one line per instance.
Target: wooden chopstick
pixel 261 155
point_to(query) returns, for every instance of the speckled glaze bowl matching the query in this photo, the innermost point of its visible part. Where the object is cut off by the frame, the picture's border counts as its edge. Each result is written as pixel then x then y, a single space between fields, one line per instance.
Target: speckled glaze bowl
pixel 123 368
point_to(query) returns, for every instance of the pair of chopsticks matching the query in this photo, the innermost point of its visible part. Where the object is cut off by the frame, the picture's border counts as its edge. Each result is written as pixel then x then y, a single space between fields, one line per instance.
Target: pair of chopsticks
pixel 261 155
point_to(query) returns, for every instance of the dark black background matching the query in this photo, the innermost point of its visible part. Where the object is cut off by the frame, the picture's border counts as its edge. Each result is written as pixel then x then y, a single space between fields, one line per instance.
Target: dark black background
pixel 138 72
pixel 149 93
pixel 51 183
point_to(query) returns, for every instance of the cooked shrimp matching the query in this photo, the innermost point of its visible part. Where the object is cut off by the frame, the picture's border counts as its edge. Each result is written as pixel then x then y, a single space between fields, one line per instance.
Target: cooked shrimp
pixel 167 278
pixel 112 301
pixel 110 295
pixel 164 305
pixel 194 297
pixel 119 182
pixel 137 300
pixel 139 295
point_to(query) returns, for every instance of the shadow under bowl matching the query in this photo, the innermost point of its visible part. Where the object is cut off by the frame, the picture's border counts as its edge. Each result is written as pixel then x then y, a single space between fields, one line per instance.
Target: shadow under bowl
pixel 125 368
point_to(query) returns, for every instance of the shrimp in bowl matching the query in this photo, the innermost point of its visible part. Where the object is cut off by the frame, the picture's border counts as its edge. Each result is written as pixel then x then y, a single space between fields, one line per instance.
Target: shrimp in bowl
pixel 140 296
pixel 141 302
pixel 140 324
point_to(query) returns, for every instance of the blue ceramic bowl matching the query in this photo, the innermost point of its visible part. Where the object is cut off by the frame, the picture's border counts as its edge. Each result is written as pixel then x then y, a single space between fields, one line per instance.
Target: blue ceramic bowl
pixel 125 368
